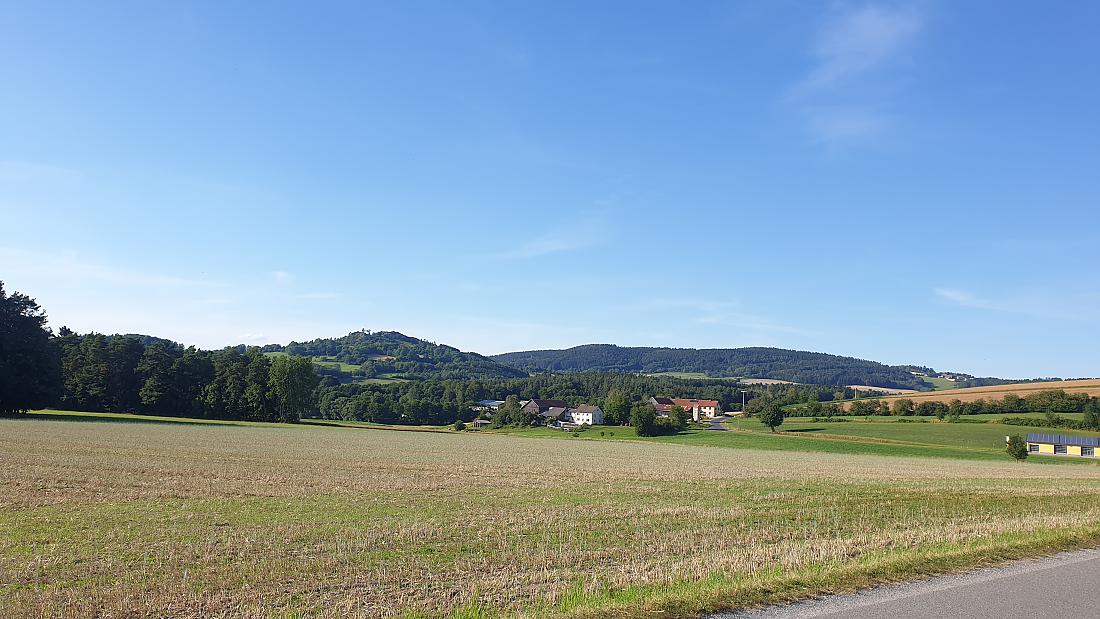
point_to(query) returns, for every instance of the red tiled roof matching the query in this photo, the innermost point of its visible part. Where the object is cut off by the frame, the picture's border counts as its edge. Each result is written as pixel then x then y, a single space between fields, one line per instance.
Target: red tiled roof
pixel 692 402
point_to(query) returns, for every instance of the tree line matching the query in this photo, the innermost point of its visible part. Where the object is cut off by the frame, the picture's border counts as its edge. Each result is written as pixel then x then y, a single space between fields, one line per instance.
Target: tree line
pixel 149 375
pixel 1050 401
pixel 142 374
pixel 442 402
pixel 125 373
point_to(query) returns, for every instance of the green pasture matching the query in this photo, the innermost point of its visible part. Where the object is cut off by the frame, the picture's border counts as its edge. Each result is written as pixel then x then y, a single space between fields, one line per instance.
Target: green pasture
pixel 892 437
pixel 939 383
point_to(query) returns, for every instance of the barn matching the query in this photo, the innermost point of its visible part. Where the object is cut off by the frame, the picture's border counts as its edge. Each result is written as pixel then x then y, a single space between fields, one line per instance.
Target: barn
pixel 1062 445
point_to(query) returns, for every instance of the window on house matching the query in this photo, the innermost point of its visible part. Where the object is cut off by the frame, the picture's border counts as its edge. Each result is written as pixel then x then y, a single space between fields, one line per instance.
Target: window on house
pixel 1088 451
pixel 1033 447
pixel 1059 449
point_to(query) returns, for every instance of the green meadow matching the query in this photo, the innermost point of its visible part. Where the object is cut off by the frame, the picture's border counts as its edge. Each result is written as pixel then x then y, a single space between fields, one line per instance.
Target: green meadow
pixel 889 436
pixel 940 384
pixel 348 368
pixel 690 375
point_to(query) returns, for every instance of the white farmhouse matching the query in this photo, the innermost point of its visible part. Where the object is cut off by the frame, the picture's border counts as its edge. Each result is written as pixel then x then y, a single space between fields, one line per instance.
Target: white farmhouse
pixel 566 417
pixel 587 413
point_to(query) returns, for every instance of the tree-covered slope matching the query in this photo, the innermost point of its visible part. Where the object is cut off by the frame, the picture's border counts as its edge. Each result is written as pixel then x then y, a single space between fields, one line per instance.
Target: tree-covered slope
pixel 776 363
pixel 393 353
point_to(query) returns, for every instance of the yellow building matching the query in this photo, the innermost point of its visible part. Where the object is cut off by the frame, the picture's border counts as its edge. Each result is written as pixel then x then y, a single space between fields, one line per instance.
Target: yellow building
pixel 1062 445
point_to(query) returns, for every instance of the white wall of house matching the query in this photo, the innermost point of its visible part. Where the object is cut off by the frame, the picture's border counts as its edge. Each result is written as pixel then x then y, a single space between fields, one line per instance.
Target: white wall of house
pixel 592 419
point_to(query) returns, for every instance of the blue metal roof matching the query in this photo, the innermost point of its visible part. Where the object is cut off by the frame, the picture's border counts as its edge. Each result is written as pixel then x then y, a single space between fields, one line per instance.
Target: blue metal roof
pixel 1063 439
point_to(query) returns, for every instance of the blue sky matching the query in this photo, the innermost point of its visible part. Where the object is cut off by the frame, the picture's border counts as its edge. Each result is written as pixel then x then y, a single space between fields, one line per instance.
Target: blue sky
pixel 910 182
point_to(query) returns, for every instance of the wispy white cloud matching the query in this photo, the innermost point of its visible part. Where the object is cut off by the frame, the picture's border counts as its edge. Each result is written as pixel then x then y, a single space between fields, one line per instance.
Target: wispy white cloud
pixel 253 338
pixel 963 298
pixel 70 266
pixel 727 313
pixel 490 335
pixel 835 125
pixel 282 277
pixel 1034 305
pixel 584 231
pixel 857 42
pixel 839 97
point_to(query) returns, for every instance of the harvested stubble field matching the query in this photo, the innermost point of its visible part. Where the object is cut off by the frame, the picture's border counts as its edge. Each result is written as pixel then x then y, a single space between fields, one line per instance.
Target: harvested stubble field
pixel 125 520
pixel 1089 386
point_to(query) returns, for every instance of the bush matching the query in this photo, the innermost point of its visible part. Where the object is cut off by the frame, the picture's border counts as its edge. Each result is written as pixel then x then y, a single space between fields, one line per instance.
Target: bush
pixel 1017 447
pixel 646 423
pixel 459 426
pixel 902 407
pixel 931 409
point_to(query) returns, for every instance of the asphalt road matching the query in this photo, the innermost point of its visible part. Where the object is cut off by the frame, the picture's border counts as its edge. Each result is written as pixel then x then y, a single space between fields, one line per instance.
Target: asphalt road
pixel 1062 585
pixel 716 424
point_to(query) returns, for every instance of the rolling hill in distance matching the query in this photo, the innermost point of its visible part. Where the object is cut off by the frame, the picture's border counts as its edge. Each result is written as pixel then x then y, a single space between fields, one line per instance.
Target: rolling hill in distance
pixel 387 356
pixel 756 362
pixel 391 355
pixel 394 355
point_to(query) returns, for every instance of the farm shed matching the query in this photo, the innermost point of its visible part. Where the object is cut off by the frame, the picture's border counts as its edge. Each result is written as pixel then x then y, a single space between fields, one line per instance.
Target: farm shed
pixel 1063 445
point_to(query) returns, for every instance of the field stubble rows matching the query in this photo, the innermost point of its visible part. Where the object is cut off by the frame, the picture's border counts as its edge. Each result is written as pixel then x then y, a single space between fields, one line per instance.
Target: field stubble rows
pixel 1088 386
pixel 130 520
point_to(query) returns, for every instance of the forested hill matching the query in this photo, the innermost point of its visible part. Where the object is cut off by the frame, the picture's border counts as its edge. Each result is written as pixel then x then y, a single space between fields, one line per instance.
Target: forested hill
pixel 389 353
pixel 776 363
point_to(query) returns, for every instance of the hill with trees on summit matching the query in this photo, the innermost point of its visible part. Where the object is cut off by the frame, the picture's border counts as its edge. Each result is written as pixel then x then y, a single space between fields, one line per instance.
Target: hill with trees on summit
pixel 393 354
pixel 773 363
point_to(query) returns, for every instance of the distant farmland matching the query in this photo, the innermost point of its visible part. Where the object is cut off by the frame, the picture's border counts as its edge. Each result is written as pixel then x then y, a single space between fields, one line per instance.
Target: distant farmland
pixel 996 392
pixel 869 388
pixel 330 363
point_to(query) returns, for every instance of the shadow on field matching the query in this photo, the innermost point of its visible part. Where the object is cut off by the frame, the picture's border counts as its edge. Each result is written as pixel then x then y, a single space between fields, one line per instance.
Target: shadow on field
pixel 800 430
pixel 93 418
pixel 336 424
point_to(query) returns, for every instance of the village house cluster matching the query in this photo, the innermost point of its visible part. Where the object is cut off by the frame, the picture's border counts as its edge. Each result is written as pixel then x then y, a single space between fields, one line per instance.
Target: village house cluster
pixel 698 408
pixel 559 414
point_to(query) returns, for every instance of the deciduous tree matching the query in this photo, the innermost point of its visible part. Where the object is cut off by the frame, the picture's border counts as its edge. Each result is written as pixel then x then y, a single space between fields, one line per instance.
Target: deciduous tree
pixel 772 416
pixel 643 418
pixel 616 408
pixel 290 386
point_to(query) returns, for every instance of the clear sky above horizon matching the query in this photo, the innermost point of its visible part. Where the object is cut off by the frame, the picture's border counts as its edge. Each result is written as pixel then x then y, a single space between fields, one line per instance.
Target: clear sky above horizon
pixel 909 182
